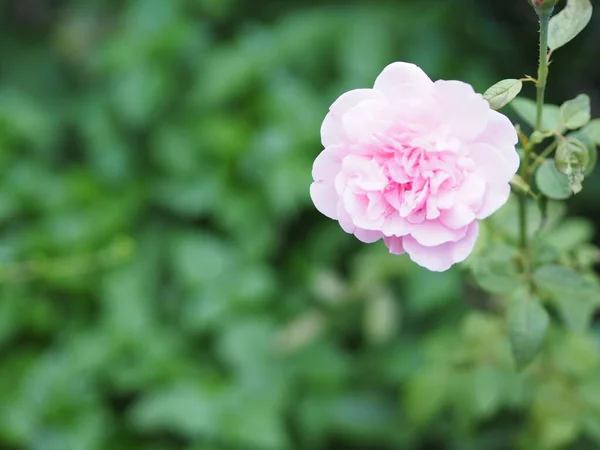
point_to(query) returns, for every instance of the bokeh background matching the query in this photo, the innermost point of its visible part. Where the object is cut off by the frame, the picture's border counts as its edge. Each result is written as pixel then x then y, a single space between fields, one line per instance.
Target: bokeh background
pixel 166 282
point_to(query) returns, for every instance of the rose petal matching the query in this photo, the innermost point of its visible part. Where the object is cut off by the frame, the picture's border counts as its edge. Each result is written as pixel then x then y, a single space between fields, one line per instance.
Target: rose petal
pixel 490 165
pixel 367 236
pixel 471 191
pixel 365 120
pixel 325 198
pixel 499 131
pixel 344 218
pixel 365 173
pixel 394 244
pixel 465 112
pixel 464 247
pixel 395 225
pixel 433 232
pixel 442 257
pixel 328 164
pixel 332 131
pixel 367 223
pixel 433 211
pixel 457 217
pixel 357 206
pixel 496 195
pixel 350 99
pixel 398 74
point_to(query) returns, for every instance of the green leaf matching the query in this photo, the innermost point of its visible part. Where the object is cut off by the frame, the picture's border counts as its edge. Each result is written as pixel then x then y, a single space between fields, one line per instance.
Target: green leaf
pixel 575 312
pixel 425 394
pixel 381 318
pixel 575 113
pixel 496 276
pixel 300 332
pixel 592 130
pixel 527 110
pixel 586 256
pixel 184 408
pixel 573 149
pixel 592 157
pixel 569 22
pixel 572 158
pixel 424 297
pixel 503 92
pixel 570 233
pixel 360 414
pixel 551 182
pixel 575 297
pixel 527 325
pixel 506 221
pixel 485 388
pixel 558 280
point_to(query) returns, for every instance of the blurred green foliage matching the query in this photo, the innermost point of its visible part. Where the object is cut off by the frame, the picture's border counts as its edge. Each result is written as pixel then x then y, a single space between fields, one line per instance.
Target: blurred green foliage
pixel 166 282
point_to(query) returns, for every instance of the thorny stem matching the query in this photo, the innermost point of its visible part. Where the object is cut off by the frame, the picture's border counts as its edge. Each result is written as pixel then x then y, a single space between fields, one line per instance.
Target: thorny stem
pixel 544 18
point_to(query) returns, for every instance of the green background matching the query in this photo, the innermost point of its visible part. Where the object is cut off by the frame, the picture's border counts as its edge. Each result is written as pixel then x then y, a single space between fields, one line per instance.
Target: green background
pixel 166 282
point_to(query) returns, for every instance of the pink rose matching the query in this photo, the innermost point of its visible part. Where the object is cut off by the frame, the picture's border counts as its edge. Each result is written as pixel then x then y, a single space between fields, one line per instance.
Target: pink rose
pixel 416 163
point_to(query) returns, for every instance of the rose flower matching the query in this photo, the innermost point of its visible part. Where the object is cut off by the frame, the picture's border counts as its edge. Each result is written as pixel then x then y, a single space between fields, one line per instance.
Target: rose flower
pixel 416 163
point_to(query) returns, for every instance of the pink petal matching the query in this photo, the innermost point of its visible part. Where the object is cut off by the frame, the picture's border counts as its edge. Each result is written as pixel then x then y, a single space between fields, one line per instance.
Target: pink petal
pixel 471 191
pixel 433 232
pixel 395 225
pixel 325 198
pixel 416 108
pixel 355 203
pixel 490 165
pixel 328 164
pixel 496 195
pixel 465 112
pixel 464 247
pixel 409 88
pixel 365 173
pixel 344 219
pixel 501 134
pixel 399 74
pixel 367 223
pixel 416 217
pixel 442 257
pixel 437 259
pixel 365 120
pixel 499 131
pixel 332 131
pixel 367 236
pixel 377 208
pixel 350 99
pixel 432 209
pixel 394 244
pixel 457 217
pixel 357 206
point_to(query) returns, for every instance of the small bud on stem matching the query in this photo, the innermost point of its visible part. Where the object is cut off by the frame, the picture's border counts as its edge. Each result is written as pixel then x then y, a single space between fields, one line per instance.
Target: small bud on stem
pixel 543 5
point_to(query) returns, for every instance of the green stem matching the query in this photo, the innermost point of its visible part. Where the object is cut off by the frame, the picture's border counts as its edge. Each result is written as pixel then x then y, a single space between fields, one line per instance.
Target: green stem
pixel 544 17
pixel 523 224
pixel 542 156
pixel 523 244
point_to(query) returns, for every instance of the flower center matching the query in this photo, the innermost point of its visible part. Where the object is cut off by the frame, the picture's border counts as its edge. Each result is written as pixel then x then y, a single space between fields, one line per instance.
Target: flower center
pixel 418 177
